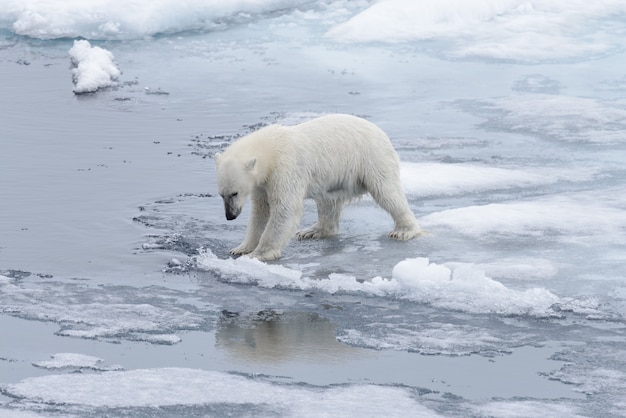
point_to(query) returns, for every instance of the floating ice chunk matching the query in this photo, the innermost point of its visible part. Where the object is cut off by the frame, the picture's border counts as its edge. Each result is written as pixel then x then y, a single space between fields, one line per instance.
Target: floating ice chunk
pixel 93 68
pixel 250 270
pixel 74 361
pixel 176 386
pixel 468 289
pixel 246 270
pixel 63 360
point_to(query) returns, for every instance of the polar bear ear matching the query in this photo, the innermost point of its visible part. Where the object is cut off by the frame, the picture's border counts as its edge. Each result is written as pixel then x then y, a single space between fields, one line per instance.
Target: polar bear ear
pixel 217 157
pixel 250 164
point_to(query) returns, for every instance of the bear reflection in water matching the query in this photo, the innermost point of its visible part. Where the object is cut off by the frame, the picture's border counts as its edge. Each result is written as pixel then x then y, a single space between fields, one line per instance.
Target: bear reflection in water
pixel 271 337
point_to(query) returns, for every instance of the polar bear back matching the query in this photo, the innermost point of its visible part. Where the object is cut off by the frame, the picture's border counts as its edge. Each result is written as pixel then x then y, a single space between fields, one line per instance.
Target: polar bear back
pixel 339 154
pixel 334 156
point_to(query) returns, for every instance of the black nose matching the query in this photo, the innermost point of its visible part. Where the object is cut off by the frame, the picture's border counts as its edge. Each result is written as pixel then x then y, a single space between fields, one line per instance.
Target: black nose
pixel 230 216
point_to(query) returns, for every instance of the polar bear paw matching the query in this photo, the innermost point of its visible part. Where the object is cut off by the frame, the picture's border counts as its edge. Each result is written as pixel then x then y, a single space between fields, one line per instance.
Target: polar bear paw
pixel 406 233
pixel 241 250
pixel 265 255
pixel 315 232
pixel 309 233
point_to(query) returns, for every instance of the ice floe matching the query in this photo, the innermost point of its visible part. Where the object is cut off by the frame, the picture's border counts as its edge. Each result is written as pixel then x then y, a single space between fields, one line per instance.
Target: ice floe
pixel 74 361
pixel 178 386
pixel 85 313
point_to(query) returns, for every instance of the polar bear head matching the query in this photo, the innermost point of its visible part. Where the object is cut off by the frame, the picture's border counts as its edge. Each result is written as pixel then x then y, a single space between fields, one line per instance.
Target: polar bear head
pixel 235 181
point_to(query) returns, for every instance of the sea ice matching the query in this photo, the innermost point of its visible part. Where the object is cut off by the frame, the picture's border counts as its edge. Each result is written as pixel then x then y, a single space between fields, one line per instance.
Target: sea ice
pixel 582 217
pixel 563 118
pixel 177 386
pixel 508 30
pixel 454 286
pixel 524 408
pixel 74 361
pixel 121 313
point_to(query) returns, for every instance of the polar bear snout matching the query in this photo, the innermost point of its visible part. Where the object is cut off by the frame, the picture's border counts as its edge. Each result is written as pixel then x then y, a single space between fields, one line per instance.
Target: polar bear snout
pixel 231 215
pixel 231 209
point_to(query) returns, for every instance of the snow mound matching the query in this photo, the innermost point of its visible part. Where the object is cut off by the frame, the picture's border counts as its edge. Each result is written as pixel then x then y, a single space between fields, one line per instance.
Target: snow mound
pixel 94 68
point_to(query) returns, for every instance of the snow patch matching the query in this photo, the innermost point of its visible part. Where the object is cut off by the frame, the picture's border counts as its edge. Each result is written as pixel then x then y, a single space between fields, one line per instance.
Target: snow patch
pixel 94 68
pixel 583 218
pixel 432 179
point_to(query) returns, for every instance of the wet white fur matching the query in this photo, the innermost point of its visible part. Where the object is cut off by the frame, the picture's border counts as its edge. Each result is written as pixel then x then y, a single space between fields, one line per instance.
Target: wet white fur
pixel 331 159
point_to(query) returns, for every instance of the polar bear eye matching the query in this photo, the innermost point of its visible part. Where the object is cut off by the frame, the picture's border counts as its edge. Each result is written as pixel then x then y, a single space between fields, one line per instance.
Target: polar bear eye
pixel 234 194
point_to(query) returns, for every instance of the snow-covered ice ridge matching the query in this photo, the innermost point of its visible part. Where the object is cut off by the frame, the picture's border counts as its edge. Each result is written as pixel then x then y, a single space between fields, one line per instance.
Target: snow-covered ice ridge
pixel 507 30
pixel 455 286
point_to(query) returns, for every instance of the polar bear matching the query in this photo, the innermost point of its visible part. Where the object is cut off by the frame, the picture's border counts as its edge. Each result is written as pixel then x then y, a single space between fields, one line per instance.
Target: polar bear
pixel 331 159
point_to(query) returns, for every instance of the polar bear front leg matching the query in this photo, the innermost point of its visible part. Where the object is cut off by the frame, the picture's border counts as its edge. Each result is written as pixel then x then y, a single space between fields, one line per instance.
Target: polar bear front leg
pixel 281 226
pixel 259 215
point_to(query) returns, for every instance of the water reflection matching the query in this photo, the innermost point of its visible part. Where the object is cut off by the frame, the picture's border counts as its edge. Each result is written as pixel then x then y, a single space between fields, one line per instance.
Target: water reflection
pixel 276 337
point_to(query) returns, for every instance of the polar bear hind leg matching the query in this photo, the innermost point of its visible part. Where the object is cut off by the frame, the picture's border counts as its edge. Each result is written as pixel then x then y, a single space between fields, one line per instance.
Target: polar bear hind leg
pixel 389 195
